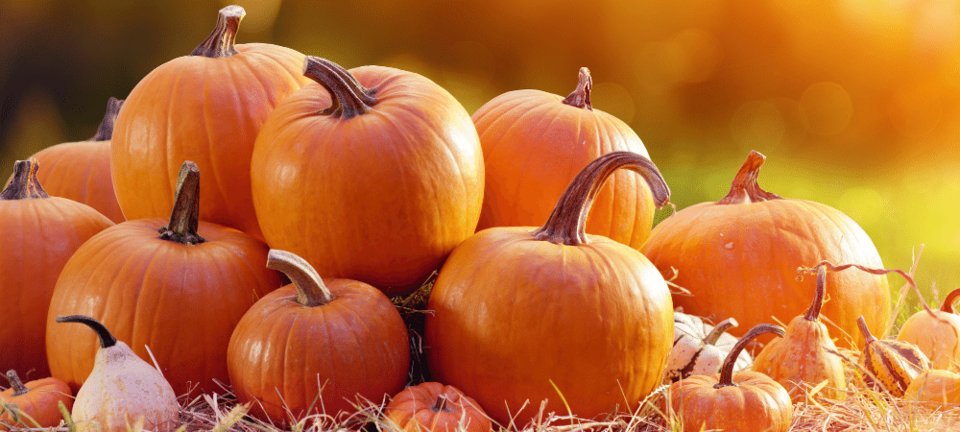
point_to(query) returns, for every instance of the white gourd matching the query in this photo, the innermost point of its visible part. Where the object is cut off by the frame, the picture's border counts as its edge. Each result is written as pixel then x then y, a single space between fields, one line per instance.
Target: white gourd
pixel 700 348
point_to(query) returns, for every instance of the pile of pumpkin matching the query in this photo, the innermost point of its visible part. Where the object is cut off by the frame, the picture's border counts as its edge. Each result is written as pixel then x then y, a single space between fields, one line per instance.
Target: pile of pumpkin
pixel 356 185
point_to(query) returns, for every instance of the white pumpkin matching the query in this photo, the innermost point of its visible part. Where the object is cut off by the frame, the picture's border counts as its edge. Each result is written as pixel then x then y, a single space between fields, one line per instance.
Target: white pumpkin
pixel 699 348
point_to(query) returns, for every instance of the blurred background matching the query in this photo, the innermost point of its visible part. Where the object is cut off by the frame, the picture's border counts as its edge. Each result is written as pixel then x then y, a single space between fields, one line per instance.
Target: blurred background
pixel 855 103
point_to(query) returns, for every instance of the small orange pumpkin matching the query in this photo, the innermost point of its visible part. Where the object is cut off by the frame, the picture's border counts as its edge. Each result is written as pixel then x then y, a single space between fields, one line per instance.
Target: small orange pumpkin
pixel 936 387
pixel 33 404
pixel 937 335
pixel 434 407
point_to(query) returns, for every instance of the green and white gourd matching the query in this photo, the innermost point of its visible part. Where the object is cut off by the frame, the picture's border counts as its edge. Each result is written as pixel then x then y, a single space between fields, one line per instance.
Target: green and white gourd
pixel 699 348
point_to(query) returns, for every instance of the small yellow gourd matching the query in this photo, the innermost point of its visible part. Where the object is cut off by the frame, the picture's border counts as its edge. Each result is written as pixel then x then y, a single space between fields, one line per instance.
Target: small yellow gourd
pixel 121 389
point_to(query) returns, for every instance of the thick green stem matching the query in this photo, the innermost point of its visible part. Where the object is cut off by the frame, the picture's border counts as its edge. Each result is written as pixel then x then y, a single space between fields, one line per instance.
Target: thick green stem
pixel 106 339
pixel 185 217
pixel 348 98
pixel 745 188
pixel 221 41
pixel 309 285
pixel 569 217
pixel 24 184
pixel 580 97
pixel 18 388
pixel 105 130
pixel 726 371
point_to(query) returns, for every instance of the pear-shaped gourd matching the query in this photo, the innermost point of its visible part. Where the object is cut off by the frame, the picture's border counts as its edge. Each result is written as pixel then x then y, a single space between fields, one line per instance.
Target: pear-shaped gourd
pixel 889 363
pixel 805 354
pixel 699 348
pixel 122 389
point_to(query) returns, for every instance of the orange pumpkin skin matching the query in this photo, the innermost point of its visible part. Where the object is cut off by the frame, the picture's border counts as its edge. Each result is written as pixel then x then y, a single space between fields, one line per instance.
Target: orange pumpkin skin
pixel 740 259
pixel 938 337
pixel 381 197
pixel 37 237
pixel 935 387
pixel 534 144
pixel 419 408
pixel 207 110
pixel 39 402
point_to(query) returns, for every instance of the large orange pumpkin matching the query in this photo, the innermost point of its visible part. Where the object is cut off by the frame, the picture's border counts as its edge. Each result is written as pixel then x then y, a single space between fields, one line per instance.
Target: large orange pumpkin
pixel 206 107
pixel 535 142
pixel 81 170
pixel 177 287
pixel 522 313
pixel 377 185
pixel 739 258
pixel 38 234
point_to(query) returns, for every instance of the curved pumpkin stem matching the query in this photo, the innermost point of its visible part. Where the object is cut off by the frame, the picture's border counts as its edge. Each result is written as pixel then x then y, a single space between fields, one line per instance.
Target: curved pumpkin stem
pixel 348 98
pixel 569 217
pixel 105 130
pixel 813 313
pixel 220 43
pixel 185 217
pixel 719 330
pixel 580 97
pixel 18 388
pixel 745 188
pixel 106 339
pixel 726 371
pixel 948 302
pixel 867 336
pixel 310 288
pixel 24 184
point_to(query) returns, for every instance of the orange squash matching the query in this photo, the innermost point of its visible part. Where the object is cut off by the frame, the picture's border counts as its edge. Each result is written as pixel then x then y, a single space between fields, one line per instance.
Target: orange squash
pixel 434 407
pixel 937 334
pixel 535 142
pixel 33 404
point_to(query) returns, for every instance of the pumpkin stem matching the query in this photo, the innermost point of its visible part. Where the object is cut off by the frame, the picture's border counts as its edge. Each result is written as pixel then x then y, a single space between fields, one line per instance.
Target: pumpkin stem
pixel 569 217
pixel 220 43
pixel 106 339
pixel 311 291
pixel 867 336
pixel 18 388
pixel 185 217
pixel 813 313
pixel 24 184
pixel 719 329
pixel 947 305
pixel 580 97
pixel 441 405
pixel 745 188
pixel 726 371
pixel 105 130
pixel 348 98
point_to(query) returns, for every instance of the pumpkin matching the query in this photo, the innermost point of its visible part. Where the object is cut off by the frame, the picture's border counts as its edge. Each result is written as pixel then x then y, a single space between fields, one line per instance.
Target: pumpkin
pixel 699 348
pixel 80 171
pixel 935 386
pixel 747 401
pixel 33 404
pixel 38 234
pixel 532 314
pixel 535 142
pixel 434 407
pixel 739 256
pixel 122 389
pixel 178 287
pixel 206 107
pixel 936 335
pixel 316 346
pixel 805 354
pixel 377 184
pixel 889 364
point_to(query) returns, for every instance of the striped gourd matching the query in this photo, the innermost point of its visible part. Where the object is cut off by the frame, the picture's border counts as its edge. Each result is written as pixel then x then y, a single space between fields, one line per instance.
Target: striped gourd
pixel 892 364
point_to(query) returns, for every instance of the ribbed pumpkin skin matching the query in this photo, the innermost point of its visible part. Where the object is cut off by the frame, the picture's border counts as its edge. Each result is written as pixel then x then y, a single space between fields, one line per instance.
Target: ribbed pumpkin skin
pixel 208 111
pixel 513 313
pixel 534 145
pixel 414 410
pixel 382 197
pixel 938 338
pixel 182 301
pixel 40 403
pixel 757 403
pixel 937 387
pixel 356 344
pixel 37 237
pixel 80 171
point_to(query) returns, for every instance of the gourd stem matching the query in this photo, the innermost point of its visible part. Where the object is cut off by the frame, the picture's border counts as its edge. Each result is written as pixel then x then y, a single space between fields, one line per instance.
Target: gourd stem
pixel 813 313
pixel 947 305
pixel 106 339
pixel 18 388
pixel 719 329
pixel 348 98
pixel 24 184
pixel 220 43
pixel 580 97
pixel 569 217
pixel 105 130
pixel 880 272
pixel 441 404
pixel 311 291
pixel 185 217
pixel 726 371
pixel 745 188
pixel 867 336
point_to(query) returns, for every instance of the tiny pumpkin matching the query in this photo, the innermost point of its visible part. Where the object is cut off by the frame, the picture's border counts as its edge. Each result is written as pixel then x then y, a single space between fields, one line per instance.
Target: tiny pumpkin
pixel 434 407
pixel 937 335
pixel 747 401
pixel 699 348
pixel 33 404
pixel 934 386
